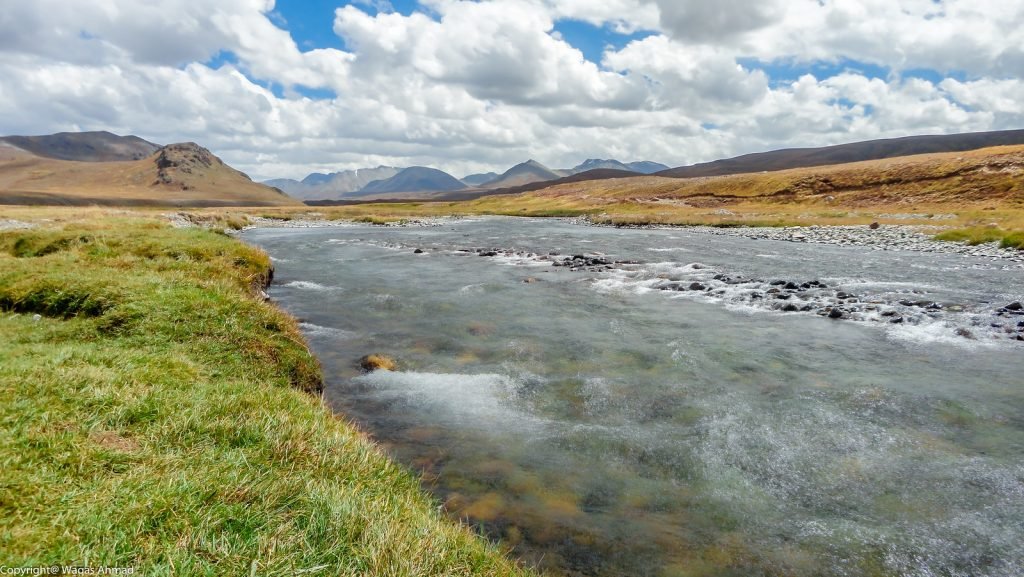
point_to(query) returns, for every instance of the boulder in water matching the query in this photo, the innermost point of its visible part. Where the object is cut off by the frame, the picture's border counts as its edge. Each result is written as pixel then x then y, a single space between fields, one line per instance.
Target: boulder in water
pixel 375 362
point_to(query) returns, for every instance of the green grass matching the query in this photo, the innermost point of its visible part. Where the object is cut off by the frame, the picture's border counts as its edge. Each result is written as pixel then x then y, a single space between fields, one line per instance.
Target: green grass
pixel 157 414
pixel 983 234
pixel 1013 240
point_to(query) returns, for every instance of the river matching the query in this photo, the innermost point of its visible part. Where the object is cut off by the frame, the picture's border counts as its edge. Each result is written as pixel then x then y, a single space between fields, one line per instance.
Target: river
pixel 680 403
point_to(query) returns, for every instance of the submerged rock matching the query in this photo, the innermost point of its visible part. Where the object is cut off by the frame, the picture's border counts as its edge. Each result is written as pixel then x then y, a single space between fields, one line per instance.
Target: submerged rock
pixel 375 362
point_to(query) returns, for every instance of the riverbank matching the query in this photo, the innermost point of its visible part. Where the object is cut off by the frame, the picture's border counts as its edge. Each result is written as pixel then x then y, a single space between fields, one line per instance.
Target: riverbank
pixel 157 414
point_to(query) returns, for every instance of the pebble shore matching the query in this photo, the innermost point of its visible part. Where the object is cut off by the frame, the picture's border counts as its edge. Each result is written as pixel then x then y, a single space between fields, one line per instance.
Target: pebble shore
pixel 885 237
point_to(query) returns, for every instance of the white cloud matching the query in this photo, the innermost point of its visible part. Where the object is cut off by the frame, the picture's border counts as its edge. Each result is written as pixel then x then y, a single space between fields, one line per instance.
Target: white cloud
pixel 469 86
pixel 716 22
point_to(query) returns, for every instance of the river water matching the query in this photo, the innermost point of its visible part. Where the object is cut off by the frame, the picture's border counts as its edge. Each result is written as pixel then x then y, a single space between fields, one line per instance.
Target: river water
pixel 663 414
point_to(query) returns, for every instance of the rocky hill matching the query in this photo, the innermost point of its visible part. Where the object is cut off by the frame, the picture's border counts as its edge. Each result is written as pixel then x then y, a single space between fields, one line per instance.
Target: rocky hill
pixel 184 174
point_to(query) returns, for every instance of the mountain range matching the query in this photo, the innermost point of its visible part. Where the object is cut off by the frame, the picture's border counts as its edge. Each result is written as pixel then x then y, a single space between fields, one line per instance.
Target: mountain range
pixel 352 184
pixel 333 185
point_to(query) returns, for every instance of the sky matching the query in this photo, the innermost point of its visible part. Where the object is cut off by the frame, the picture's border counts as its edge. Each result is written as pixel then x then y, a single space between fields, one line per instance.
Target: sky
pixel 282 89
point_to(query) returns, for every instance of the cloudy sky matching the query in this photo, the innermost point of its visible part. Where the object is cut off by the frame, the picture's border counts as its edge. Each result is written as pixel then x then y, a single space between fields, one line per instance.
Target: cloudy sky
pixel 287 88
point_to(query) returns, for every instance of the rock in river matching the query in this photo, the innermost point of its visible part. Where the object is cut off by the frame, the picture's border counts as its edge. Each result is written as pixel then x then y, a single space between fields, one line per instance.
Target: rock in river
pixel 375 362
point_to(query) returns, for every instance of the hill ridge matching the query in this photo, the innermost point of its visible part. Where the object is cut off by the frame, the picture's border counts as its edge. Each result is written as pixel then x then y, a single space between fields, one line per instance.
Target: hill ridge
pixel 878 149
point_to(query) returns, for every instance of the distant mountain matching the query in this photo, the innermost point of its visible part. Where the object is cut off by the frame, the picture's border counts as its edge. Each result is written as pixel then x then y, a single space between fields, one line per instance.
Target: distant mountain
pixel 184 174
pixel 844 153
pixel 597 163
pixel 473 194
pixel 333 186
pixel 317 178
pixel 85 146
pixel 643 167
pixel 526 173
pixel 646 167
pixel 287 185
pixel 595 174
pixel 478 179
pixel 413 179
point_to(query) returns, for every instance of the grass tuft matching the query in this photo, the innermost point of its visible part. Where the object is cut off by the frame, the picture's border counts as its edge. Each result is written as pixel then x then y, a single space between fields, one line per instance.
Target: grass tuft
pixel 976 235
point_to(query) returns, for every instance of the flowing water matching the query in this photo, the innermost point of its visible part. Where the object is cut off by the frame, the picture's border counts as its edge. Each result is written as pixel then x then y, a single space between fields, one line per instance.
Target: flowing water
pixel 610 420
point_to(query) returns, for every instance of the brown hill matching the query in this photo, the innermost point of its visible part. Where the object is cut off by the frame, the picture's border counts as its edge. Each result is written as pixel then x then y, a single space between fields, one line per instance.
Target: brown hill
pixel 175 175
pixel 846 153
pixel 85 146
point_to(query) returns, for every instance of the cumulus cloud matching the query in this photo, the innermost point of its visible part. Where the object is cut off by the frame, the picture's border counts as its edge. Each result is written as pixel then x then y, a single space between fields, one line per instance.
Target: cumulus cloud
pixel 715 22
pixel 470 86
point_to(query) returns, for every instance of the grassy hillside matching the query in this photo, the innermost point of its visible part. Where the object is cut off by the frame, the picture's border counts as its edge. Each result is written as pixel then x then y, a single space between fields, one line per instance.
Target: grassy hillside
pixel 156 413
pixel 176 175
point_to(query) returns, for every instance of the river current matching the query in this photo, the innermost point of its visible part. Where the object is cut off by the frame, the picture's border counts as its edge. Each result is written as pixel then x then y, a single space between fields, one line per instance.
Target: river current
pixel 678 403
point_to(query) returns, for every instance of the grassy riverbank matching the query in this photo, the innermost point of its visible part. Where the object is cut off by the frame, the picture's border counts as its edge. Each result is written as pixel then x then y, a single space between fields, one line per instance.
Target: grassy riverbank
pixel 156 413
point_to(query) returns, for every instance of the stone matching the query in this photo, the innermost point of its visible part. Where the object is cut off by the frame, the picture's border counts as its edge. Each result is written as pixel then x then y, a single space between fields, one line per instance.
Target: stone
pixel 697 286
pixel 835 314
pixel 418 251
pixel 377 362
